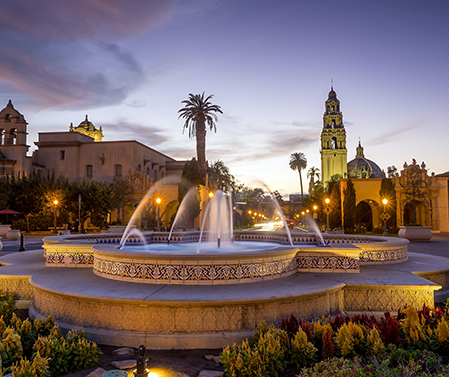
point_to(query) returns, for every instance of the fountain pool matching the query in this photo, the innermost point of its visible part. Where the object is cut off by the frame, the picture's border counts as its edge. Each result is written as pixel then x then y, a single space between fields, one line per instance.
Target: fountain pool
pixel 213 296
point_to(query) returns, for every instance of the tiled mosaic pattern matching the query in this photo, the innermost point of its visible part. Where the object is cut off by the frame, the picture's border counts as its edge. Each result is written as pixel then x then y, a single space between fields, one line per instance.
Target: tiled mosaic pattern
pixel 193 274
pixel 389 255
pixel 330 263
pixel 75 258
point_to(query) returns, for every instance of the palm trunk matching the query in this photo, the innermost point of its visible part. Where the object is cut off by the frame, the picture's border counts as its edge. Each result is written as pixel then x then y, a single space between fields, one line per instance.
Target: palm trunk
pixel 201 150
pixel 300 181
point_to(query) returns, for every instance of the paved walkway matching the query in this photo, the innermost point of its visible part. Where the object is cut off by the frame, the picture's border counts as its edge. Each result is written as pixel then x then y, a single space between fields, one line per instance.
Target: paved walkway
pixel 438 245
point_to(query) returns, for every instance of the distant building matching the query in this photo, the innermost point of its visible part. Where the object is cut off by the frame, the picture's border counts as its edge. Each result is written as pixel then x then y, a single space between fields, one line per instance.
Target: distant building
pixel 334 154
pixel 433 207
pixel 80 154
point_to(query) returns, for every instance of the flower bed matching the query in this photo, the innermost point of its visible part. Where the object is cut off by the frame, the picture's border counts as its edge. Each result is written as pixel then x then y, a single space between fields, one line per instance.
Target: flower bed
pixel 37 349
pixel 413 343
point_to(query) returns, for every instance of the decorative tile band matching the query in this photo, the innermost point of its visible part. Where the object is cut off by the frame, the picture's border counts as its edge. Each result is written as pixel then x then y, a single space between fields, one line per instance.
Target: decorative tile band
pixel 194 273
pixel 323 263
pixel 398 254
pixel 69 258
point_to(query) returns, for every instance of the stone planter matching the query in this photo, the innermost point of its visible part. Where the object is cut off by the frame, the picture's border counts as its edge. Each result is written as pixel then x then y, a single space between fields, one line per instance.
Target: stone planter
pixel 415 233
pixel 13 235
pixel 4 229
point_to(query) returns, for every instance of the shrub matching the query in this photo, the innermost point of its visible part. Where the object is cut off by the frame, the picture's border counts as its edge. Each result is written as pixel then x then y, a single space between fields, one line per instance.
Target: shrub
pixel 302 351
pixel 335 367
pixel 42 343
pixel 265 356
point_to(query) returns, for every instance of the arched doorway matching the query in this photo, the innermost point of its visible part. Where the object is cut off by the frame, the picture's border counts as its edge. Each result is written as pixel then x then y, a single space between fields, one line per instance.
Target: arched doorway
pixel 364 215
pixel 421 213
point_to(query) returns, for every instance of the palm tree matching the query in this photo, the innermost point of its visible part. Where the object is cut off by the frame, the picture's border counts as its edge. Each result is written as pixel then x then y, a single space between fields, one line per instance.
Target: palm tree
pixel 199 113
pixel 298 162
pixel 311 174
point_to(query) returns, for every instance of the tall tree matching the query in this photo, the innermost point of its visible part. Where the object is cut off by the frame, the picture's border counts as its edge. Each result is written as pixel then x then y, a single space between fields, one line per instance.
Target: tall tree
pixel 219 176
pixel 199 113
pixel 298 162
pixel 313 173
pixel 334 194
pixel 349 207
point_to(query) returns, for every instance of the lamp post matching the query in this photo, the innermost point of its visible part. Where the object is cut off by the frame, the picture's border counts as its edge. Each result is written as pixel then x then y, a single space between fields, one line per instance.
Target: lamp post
pixel 327 210
pixel 314 212
pixel 158 202
pixel 55 203
pixel 385 216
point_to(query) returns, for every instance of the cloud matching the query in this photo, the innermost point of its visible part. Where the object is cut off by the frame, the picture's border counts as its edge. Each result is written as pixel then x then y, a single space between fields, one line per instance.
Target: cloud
pixel 392 135
pixel 66 54
pixel 84 19
pixel 151 136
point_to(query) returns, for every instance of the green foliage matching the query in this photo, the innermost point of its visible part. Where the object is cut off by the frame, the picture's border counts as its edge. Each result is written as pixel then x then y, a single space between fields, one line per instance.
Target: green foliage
pixel 298 162
pixel 302 351
pixel 83 353
pixel 7 306
pixel 219 176
pixel 349 207
pixel 41 342
pixel 334 194
pixel 264 356
pixel 199 113
pixel 335 367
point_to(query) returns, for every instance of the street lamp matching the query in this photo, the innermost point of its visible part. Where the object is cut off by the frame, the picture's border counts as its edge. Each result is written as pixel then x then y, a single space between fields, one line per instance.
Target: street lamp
pixel 327 210
pixel 385 216
pixel 55 203
pixel 314 212
pixel 211 195
pixel 158 201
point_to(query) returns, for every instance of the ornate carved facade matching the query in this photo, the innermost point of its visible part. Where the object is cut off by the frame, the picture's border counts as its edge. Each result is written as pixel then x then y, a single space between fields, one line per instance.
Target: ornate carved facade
pixel 334 154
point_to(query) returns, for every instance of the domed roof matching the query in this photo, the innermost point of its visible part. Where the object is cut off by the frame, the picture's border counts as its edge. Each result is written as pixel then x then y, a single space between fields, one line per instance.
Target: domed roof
pixel 361 167
pixel 332 94
pixel 87 124
pixel 88 128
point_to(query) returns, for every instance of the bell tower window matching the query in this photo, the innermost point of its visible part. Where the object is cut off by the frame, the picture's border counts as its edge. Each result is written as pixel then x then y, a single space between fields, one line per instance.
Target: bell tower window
pixel 8 118
pixel 334 143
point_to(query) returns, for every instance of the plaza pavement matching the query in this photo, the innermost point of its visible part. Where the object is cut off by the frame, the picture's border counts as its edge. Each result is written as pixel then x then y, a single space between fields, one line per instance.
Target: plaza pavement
pixel 438 245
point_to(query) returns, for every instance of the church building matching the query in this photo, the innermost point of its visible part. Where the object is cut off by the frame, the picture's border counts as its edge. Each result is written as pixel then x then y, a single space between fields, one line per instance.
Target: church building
pixel 432 208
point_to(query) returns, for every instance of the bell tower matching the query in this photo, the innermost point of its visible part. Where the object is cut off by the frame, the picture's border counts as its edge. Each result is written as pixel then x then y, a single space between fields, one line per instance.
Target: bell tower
pixel 334 154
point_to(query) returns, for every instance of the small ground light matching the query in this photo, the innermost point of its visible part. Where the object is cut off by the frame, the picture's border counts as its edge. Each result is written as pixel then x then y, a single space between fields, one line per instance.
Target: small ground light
pixel 141 370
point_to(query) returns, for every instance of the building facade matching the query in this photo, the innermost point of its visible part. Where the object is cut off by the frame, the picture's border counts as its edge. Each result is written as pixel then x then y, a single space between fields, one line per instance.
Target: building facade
pixel 334 154
pixel 80 153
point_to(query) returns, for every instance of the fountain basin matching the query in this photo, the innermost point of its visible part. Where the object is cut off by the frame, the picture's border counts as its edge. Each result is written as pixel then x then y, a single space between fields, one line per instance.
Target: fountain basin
pixel 267 262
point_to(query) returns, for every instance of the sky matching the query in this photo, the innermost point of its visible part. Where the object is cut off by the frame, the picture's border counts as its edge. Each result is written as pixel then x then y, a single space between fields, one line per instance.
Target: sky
pixel 129 64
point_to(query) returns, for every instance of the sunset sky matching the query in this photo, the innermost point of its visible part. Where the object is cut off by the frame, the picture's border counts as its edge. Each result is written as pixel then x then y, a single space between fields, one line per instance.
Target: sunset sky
pixel 128 64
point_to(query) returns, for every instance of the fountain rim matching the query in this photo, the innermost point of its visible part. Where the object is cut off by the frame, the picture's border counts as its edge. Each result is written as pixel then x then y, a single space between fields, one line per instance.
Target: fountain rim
pixel 114 250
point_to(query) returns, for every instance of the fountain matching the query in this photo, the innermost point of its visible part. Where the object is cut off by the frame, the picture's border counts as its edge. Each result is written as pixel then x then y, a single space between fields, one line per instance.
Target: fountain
pixel 146 291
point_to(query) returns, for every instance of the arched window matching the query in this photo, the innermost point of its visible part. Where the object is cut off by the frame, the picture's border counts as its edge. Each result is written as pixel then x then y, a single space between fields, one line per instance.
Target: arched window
pixel 333 123
pixel 2 136
pixel 334 143
pixel 89 171
pixel 139 168
pixel 7 118
pixel 118 170
pixel 12 137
